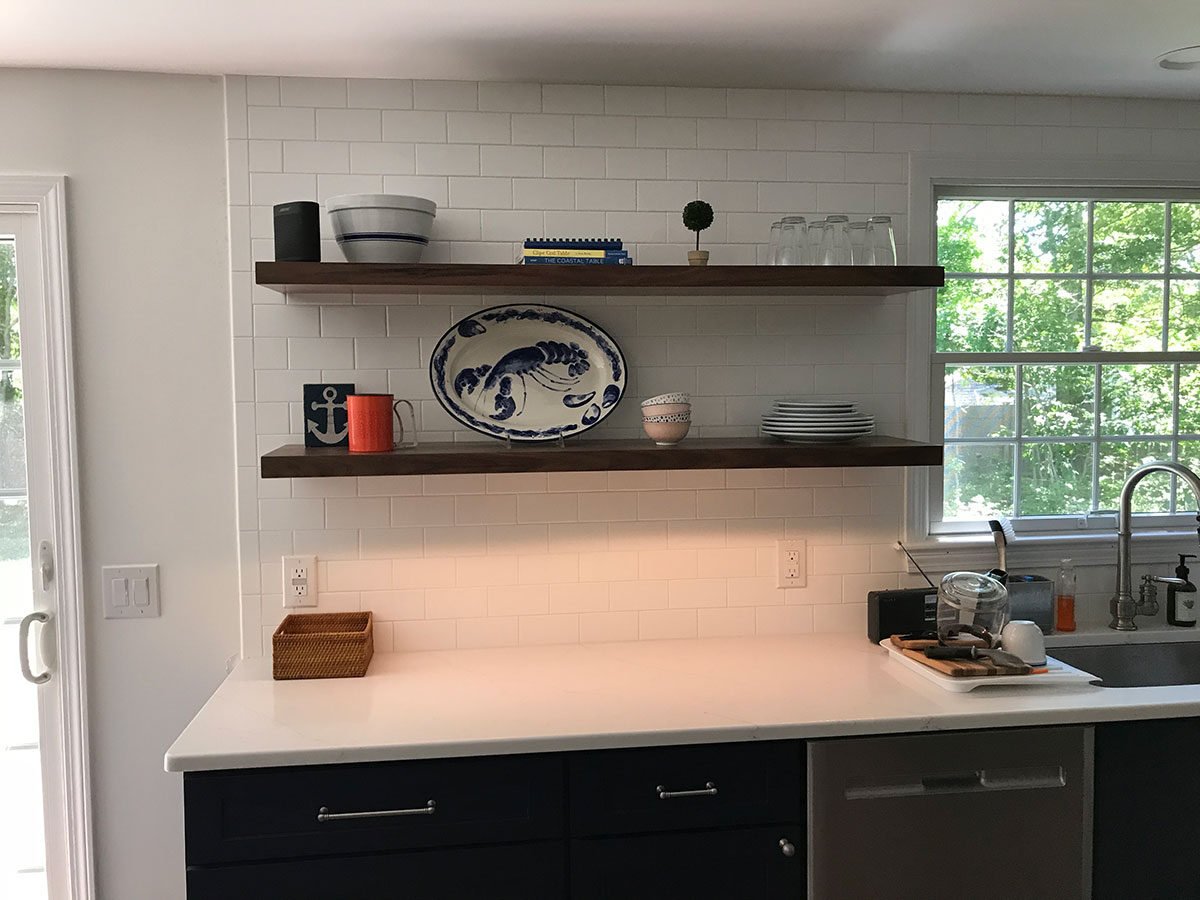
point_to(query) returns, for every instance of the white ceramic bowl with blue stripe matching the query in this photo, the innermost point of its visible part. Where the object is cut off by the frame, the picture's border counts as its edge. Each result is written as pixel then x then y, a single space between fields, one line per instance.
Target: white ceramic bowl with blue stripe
pixel 381 228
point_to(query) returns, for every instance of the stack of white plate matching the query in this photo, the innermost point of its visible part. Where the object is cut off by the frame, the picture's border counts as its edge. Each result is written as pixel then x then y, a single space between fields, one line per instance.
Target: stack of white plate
pixel 816 421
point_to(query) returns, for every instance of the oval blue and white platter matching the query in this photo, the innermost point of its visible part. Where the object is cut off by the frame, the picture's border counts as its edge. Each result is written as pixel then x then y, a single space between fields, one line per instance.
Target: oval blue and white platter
pixel 528 372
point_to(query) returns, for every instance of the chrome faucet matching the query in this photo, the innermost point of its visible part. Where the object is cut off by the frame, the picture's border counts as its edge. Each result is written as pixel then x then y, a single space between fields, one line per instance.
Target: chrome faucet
pixel 1124 607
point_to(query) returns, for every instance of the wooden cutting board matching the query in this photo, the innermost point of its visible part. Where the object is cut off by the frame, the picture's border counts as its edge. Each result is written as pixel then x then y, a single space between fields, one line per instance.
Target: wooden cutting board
pixel 934 642
pixel 966 668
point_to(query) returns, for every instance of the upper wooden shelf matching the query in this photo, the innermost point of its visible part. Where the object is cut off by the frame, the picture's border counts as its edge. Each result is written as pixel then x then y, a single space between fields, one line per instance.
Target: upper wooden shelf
pixel 297 461
pixel 330 278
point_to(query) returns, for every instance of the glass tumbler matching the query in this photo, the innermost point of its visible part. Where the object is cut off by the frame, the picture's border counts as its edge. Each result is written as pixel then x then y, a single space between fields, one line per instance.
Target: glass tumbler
pixel 860 250
pixel 793 232
pixel 773 244
pixel 812 250
pixel 882 241
pixel 835 242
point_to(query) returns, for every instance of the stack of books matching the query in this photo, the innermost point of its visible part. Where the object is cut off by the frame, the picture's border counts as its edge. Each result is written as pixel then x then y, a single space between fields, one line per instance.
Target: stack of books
pixel 574 252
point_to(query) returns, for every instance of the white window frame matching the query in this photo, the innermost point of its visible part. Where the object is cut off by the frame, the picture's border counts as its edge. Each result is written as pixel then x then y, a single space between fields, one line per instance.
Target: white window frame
pixel 930 174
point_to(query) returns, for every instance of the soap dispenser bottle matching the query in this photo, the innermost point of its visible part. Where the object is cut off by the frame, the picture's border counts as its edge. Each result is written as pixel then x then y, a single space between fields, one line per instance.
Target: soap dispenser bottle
pixel 1181 599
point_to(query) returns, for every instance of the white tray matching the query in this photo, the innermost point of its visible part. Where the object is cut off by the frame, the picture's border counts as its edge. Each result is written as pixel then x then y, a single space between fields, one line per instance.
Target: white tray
pixel 1060 674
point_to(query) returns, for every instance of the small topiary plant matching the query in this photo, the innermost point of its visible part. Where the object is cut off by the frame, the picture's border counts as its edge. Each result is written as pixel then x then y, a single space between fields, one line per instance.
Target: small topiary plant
pixel 697 216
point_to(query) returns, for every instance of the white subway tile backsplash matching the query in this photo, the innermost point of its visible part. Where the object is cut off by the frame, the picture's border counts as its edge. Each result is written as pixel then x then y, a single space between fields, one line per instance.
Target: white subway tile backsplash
pixel 447 159
pixel 572 98
pixel 510 97
pixel 380 93
pixel 683 101
pixel 450 95
pixel 478 127
pixel 509 161
pixel 281 123
pixel 472 560
pixel 383 158
pixel 348 125
pixel 635 163
pixel 635 100
pixel 543 129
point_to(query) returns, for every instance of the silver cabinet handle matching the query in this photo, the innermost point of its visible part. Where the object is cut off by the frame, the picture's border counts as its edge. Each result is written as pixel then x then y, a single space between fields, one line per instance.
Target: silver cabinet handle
pixel 788 848
pixel 709 790
pixel 23 650
pixel 324 815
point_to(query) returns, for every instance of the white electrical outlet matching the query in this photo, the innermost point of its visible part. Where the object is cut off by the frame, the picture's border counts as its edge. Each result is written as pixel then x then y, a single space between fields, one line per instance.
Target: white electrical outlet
pixel 299 581
pixel 791 569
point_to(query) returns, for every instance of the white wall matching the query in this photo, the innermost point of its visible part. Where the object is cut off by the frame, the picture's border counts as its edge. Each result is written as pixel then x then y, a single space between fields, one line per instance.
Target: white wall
pixel 149 288
pixel 467 561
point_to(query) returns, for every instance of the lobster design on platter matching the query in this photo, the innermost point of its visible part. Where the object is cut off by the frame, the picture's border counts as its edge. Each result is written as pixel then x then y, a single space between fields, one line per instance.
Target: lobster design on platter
pixel 554 365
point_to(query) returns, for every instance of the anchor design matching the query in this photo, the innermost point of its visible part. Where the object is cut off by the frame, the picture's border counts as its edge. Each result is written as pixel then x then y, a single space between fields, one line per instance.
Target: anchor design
pixel 330 435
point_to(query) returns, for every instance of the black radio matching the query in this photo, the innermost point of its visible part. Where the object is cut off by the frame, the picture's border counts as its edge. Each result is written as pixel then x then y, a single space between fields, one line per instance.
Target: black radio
pixel 901 612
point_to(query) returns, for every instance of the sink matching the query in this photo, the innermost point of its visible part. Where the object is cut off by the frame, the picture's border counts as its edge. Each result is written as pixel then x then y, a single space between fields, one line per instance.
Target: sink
pixel 1136 665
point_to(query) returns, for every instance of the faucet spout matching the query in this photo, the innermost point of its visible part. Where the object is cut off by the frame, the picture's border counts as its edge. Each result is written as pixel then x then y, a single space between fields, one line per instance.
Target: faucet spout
pixel 1124 607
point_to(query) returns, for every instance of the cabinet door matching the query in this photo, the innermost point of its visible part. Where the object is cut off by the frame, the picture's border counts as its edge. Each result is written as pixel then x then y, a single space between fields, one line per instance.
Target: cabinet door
pixel 512 872
pixel 760 863
pixel 1147 797
pixel 985 814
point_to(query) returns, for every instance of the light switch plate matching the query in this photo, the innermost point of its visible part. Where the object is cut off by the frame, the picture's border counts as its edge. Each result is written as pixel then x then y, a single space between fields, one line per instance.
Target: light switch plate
pixel 131 592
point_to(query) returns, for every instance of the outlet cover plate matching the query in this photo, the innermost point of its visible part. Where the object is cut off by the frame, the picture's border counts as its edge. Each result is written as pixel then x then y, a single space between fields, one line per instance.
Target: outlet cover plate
pixel 791 564
pixel 131 592
pixel 299 581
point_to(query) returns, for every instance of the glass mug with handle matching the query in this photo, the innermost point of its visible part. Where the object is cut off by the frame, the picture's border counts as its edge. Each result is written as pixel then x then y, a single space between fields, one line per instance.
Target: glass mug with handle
pixel 375 419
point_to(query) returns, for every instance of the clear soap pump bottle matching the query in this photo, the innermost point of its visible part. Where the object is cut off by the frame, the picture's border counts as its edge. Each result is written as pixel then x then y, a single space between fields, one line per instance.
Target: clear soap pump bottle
pixel 1064 597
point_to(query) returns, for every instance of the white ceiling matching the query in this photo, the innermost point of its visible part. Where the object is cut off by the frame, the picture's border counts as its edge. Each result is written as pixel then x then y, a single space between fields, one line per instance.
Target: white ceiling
pixel 1042 46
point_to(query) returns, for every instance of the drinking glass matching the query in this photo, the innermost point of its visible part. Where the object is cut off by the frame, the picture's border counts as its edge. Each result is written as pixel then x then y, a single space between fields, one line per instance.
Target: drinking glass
pixel 812 250
pixel 860 250
pixel 773 245
pixel 835 242
pixel 793 232
pixel 882 241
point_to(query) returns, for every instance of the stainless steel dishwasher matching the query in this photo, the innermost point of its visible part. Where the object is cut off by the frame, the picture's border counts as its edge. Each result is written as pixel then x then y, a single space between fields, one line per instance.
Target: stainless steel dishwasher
pixel 981 814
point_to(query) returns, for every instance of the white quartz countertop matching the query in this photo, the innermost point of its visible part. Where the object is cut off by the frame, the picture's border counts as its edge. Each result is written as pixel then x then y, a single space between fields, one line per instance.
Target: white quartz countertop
pixel 590 696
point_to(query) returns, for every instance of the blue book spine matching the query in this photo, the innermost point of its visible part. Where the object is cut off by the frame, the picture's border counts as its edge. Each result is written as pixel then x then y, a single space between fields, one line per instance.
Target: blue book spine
pixel 573 243
pixel 609 260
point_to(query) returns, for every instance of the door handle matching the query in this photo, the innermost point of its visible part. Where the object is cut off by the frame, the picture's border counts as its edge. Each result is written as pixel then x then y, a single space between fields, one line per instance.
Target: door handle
pixel 23 648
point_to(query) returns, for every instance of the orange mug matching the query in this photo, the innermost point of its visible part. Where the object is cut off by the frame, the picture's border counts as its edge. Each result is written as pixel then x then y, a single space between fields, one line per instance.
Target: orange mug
pixel 370 419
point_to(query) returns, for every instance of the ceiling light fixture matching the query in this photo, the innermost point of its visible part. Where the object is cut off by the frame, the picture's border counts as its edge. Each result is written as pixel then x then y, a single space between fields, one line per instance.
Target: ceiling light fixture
pixel 1183 58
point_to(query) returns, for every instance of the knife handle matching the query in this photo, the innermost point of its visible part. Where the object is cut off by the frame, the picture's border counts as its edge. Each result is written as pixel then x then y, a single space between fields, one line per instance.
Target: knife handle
pixel 950 652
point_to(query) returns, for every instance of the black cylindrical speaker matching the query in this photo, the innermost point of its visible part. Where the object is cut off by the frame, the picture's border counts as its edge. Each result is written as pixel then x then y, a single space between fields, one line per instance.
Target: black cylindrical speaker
pixel 298 232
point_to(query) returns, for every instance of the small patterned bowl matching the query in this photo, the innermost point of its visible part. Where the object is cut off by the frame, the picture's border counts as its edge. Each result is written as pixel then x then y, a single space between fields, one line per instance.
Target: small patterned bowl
pixel 673 417
pixel 677 397
pixel 666 434
pixel 665 409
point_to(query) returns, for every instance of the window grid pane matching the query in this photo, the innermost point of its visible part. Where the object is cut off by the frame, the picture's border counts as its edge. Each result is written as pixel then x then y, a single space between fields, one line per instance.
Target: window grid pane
pixel 1056 473
pixel 1143 310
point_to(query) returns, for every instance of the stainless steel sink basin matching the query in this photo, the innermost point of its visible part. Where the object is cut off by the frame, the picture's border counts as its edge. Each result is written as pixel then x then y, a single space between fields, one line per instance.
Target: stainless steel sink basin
pixel 1136 665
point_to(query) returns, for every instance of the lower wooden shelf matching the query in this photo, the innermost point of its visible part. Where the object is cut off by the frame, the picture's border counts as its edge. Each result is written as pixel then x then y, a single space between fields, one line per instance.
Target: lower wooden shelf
pixel 297 461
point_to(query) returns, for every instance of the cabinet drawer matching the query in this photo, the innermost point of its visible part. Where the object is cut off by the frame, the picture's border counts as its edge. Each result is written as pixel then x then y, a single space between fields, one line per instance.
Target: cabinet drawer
pixel 514 872
pixel 698 865
pixel 273 813
pixel 675 788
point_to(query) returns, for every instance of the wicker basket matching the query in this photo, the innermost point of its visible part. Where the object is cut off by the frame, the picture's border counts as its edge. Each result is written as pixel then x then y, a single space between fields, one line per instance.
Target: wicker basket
pixel 323 645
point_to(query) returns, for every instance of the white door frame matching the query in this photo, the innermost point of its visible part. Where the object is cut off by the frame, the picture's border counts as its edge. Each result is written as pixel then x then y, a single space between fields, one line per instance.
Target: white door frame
pixel 63 710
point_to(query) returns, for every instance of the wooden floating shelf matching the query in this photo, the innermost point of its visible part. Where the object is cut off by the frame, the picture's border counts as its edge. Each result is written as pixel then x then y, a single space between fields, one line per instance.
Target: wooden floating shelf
pixel 334 278
pixel 297 461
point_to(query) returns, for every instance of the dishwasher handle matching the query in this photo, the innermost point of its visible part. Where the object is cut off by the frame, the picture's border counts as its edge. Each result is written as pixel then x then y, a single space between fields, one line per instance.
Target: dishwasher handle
pixel 964 782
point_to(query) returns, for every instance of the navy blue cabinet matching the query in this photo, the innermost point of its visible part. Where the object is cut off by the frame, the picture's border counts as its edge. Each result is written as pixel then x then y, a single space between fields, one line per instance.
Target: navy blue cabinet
pixel 714 820
pixel 1147 797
